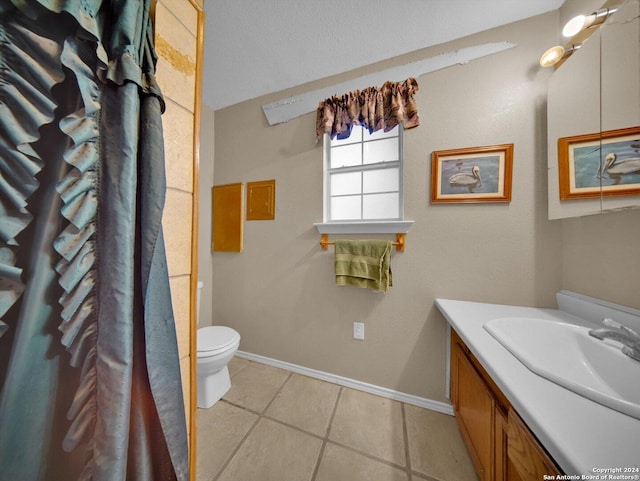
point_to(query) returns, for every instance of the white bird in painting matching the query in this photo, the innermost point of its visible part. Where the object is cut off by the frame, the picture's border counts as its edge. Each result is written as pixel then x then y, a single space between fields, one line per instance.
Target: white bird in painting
pixel 613 166
pixel 466 179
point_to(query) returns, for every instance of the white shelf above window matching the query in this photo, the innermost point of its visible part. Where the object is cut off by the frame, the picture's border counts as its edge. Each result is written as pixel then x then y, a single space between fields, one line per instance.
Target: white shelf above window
pixel 372 227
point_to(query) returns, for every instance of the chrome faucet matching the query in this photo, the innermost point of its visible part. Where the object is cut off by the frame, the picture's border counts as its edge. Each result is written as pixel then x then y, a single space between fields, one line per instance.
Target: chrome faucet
pixel 623 334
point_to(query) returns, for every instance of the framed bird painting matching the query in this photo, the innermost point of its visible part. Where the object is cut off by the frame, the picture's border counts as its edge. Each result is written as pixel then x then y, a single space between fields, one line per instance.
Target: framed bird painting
pixel 600 164
pixel 474 174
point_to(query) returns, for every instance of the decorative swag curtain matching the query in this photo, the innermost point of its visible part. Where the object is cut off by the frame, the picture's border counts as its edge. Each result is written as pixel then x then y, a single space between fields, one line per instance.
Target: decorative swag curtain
pixel 374 108
pixel 90 385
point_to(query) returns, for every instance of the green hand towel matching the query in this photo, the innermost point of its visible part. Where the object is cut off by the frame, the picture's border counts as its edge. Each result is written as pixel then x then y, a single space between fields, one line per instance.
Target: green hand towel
pixel 363 263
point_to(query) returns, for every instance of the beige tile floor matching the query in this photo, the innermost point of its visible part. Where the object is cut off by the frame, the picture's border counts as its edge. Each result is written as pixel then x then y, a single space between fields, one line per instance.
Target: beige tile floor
pixel 275 425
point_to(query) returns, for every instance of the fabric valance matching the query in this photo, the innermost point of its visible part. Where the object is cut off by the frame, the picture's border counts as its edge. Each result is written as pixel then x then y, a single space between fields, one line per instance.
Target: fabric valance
pixel 373 108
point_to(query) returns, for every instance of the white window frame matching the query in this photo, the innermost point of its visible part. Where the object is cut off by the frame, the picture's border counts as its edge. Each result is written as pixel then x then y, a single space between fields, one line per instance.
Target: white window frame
pixel 327 171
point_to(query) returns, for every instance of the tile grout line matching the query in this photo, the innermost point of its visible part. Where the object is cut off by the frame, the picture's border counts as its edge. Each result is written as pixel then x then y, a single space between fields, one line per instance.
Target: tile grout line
pixel 405 435
pixel 417 475
pixel 296 428
pixel 412 473
pixel 266 408
pixel 368 455
pixel 244 408
pixel 242 368
pixel 316 468
pixel 333 413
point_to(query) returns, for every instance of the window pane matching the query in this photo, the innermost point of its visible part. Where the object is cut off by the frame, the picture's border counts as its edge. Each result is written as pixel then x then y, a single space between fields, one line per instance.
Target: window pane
pixel 381 151
pixel 347 183
pixel 380 180
pixel 345 208
pixel 346 155
pixel 366 191
pixel 380 206
pixel 356 136
pixel 380 134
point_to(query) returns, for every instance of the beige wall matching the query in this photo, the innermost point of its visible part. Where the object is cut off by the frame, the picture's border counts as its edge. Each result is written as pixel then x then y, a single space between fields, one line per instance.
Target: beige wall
pixel 280 293
pixel 176 44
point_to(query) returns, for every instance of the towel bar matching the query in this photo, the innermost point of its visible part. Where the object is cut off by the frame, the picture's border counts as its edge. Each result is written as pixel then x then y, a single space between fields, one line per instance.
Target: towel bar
pixel 400 242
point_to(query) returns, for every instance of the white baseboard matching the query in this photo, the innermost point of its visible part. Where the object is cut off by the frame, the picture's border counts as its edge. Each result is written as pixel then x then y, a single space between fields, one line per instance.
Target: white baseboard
pixel 437 406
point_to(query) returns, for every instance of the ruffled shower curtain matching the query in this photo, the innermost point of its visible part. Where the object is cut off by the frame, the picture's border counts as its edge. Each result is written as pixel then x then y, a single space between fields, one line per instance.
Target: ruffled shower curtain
pixel 90 386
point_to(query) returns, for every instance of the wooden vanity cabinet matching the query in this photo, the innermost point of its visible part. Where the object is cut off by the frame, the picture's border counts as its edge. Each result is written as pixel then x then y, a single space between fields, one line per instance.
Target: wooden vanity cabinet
pixel 500 444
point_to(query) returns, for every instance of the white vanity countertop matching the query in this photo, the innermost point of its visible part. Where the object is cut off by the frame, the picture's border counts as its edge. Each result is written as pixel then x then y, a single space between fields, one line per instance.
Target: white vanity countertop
pixel 581 435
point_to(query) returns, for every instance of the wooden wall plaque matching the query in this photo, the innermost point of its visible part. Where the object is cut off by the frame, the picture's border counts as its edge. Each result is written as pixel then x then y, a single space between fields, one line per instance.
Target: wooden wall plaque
pixel 227 222
pixel 261 200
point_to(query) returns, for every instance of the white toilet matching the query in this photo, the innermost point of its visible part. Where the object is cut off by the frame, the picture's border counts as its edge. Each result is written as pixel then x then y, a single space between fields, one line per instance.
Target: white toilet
pixel 216 347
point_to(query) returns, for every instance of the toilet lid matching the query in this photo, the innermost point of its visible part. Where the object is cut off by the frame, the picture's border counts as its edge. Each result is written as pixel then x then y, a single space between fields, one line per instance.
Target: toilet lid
pixel 216 338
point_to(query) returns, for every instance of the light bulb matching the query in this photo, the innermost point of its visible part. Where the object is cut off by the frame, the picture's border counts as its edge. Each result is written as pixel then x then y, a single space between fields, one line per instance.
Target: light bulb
pixel 573 26
pixel 551 56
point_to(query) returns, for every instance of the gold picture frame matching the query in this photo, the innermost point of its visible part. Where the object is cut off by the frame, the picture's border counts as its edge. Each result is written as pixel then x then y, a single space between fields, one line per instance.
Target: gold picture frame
pixel 599 164
pixel 474 174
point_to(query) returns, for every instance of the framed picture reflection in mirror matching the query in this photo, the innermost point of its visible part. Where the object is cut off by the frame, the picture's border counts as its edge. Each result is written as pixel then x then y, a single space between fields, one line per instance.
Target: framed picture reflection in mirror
pixel 602 163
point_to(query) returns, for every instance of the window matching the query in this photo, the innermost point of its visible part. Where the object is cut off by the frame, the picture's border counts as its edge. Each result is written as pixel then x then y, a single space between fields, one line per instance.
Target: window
pixel 363 176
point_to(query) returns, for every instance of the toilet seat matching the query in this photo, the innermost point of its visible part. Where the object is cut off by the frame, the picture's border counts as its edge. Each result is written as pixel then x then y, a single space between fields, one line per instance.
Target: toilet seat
pixel 214 340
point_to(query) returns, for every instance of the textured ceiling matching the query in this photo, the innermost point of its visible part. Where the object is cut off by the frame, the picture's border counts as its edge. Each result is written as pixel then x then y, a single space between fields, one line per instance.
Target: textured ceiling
pixel 256 47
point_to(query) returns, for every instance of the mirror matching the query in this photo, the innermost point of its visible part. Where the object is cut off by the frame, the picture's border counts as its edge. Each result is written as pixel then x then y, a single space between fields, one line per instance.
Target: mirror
pixel 594 109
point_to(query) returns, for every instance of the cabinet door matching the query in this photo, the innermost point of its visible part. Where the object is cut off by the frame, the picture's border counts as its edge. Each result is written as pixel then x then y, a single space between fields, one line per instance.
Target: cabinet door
pixel 527 460
pixel 500 464
pixel 475 411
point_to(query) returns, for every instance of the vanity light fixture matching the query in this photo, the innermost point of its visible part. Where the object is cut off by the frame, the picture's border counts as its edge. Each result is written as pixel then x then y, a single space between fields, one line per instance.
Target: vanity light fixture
pixel 576 30
pixel 557 53
pixel 582 22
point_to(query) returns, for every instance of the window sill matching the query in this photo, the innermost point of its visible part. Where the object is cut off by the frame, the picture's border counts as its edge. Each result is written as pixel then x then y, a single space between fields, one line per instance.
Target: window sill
pixel 374 227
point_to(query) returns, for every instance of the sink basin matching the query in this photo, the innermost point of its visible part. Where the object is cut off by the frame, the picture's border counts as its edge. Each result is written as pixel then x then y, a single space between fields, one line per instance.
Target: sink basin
pixel 568 356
